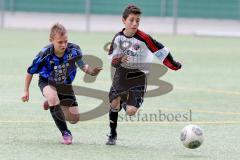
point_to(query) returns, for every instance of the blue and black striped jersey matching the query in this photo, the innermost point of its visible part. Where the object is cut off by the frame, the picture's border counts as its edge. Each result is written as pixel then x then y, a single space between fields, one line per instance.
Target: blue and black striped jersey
pixel 59 70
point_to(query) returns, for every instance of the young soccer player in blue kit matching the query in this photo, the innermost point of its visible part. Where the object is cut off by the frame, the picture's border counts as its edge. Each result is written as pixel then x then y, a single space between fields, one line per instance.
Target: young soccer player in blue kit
pixel 131 52
pixel 56 65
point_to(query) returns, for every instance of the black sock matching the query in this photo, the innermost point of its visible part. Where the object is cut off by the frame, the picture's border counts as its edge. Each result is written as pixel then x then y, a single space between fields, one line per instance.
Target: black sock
pixel 113 118
pixel 59 118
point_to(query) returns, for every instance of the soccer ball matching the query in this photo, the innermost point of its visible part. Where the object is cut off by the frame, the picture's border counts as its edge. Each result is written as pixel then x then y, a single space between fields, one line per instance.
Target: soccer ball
pixel 192 136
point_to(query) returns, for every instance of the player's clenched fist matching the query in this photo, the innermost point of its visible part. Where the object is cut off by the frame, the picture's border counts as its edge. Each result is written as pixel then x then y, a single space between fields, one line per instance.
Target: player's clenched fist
pixel 25 96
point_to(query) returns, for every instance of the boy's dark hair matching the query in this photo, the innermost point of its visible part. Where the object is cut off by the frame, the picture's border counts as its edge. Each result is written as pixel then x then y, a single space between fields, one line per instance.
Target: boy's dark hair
pixel 131 9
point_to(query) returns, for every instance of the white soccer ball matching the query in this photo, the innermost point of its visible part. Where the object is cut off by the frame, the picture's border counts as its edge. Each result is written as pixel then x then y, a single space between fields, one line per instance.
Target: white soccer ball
pixel 192 136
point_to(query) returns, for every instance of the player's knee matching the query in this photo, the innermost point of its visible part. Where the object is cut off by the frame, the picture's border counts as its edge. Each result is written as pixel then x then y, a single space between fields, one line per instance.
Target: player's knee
pixel 115 104
pixel 75 119
pixel 131 110
pixel 73 122
pixel 52 100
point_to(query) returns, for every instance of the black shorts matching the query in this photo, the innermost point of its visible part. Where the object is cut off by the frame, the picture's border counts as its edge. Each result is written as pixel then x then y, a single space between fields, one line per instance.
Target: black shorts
pixel 130 85
pixel 65 92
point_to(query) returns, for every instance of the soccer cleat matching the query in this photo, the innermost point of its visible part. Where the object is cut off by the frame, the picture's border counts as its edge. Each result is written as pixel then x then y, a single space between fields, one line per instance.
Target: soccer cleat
pixel 111 139
pixel 45 105
pixel 67 138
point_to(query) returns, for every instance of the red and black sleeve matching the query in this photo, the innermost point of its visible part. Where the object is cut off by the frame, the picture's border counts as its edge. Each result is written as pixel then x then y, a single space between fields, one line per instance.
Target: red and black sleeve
pixel 155 46
pixel 171 63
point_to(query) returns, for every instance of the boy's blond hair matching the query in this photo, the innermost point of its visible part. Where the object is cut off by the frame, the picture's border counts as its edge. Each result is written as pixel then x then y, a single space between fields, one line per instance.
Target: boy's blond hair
pixel 57 28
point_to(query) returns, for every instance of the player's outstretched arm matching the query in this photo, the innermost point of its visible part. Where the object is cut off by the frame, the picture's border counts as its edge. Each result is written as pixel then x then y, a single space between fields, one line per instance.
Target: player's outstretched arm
pixel 171 63
pixel 28 79
pixel 92 71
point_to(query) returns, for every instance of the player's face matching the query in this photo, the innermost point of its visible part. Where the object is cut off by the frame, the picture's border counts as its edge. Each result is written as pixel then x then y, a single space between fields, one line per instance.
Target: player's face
pixel 132 23
pixel 60 43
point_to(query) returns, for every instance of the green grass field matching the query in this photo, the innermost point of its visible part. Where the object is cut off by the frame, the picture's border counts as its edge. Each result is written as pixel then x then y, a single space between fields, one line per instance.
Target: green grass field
pixel 208 84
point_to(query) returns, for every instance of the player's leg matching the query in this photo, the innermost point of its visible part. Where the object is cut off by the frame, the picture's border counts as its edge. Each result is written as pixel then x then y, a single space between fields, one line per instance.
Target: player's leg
pixel 51 96
pixel 131 110
pixel 132 104
pixel 71 113
pixel 134 100
pixel 137 81
pixel 69 106
pixel 113 114
pixel 113 118
pixel 115 107
pixel 117 97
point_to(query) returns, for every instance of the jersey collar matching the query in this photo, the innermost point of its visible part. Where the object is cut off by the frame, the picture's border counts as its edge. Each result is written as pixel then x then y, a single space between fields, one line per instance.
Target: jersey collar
pixel 127 36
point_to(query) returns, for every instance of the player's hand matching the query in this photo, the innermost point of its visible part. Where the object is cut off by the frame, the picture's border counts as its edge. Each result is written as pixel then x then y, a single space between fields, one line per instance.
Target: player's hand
pixel 178 65
pixel 124 59
pixel 25 96
pixel 96 71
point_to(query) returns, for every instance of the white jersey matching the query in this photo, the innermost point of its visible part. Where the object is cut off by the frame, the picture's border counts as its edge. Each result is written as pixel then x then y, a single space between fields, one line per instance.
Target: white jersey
pixel 139 48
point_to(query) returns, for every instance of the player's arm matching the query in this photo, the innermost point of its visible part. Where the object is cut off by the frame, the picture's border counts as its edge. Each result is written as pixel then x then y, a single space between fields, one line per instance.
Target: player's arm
pixel 82 65
pixel 118 59
pixel 28 79
pixel 92 71
pixel 115 55
pixel 160 51
pixel 171 63
pixel 88 69
pixel 33 69
pixel 165 57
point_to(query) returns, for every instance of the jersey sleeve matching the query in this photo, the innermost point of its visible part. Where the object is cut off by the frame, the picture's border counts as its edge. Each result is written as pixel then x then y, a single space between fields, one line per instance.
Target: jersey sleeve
pixel 37 63
pixel 76 50
pixel 160 51
pixel 80 63
pixel 114 53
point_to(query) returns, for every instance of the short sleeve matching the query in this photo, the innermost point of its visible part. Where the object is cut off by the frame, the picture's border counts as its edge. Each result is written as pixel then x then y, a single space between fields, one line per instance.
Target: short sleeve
pixel 36 65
